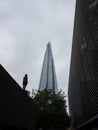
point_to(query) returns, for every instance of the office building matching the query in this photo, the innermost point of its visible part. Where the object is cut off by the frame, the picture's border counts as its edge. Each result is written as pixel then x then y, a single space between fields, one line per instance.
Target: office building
pixel 83 77
pixel 48 75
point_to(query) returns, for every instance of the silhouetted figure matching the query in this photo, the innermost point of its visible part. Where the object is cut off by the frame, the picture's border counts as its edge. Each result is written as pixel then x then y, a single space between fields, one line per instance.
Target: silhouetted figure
pixel 25 81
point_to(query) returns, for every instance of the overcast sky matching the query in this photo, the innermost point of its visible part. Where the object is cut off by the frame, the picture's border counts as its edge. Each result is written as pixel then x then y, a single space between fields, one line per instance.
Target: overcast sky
pixel 26 26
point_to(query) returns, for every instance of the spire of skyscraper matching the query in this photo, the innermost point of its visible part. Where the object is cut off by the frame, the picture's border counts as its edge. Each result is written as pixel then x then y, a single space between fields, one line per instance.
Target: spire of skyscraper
pixel 48 76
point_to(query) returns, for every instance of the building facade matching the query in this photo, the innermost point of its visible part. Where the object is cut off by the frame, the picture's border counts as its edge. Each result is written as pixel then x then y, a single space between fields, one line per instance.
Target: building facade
pixel 83 78
pixel 48 75
pixel 17 109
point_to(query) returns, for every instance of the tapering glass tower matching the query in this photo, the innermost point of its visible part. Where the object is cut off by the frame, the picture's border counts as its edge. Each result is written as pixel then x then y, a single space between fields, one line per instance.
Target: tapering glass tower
pixel 48 76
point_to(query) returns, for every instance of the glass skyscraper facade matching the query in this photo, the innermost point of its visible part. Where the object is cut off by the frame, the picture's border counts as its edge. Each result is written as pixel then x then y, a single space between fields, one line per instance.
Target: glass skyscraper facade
pixel 48 75
pixel 83 78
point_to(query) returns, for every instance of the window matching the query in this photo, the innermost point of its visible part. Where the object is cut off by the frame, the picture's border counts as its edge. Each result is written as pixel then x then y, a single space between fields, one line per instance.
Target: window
pixel 93 4
pixel 83 45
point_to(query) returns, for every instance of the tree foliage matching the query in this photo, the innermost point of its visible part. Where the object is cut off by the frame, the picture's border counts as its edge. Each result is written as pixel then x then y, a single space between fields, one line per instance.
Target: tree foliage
pixel 51 109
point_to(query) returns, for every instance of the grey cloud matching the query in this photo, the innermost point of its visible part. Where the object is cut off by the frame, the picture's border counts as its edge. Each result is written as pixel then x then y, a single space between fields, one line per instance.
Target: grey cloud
pixel 25 28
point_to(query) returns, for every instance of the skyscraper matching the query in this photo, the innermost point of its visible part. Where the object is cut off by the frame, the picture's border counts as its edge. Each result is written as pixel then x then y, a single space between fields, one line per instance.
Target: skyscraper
pixel 48 76
pixel 83 79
